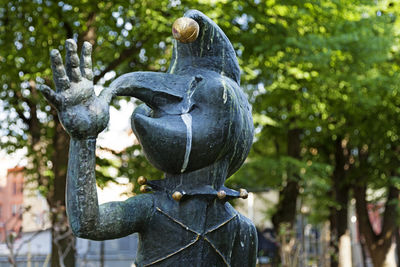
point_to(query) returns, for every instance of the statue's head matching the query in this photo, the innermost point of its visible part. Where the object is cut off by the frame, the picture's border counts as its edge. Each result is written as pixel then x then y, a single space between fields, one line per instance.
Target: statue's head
pixel 199 115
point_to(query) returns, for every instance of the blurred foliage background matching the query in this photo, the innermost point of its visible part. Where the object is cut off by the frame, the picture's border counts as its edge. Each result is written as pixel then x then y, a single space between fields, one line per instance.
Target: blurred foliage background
pixel 322 77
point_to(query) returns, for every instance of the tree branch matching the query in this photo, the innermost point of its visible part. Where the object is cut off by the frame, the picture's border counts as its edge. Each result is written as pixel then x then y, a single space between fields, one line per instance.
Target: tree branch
pixel 27 241
pixel 22 116
pixel 66 25
pixel 20 113
pixel 90 34
pixel 362 214
pixel 125 54
pixel 361 202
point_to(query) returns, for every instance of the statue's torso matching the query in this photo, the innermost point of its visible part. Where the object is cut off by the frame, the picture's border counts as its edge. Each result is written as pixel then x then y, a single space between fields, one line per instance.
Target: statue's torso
pixel 195 232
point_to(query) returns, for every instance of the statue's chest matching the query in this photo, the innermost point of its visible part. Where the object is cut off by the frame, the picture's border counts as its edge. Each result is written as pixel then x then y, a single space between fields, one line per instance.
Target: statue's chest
pixel 196 213
pixel 194 229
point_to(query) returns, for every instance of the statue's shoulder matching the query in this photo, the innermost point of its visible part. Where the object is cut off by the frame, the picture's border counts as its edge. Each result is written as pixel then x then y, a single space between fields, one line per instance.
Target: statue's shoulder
pixel 146 200
pixel 246 222
pixel 245 248
pixel 141 205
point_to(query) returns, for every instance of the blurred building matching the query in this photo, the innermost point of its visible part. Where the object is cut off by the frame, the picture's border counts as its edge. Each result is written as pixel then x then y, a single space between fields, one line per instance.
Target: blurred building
pixel 25 212
pixel 36 215
pixel 11 202
pixel 119 252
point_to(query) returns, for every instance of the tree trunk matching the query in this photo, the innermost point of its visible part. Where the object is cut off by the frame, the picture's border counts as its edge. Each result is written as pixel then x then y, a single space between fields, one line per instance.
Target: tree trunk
pixel 63 242
pixel 340 193
pixel 286 211
pixel 285 215
pixel 62 251
pixel 378 244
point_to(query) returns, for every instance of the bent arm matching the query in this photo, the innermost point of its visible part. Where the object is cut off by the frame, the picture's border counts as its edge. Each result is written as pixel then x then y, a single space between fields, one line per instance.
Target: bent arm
pixel 86 217
pixel 84 115
pixel 154 88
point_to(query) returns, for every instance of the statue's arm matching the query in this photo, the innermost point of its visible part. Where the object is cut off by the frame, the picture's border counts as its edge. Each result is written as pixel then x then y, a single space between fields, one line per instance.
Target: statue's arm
pixel 84 115
pixel 87 218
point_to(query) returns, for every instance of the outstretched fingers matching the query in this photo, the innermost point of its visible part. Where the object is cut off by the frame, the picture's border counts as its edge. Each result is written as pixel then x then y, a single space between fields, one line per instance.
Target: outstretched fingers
pixel 54 98
pixel 86 61
pixel 72 61
pixel 59 75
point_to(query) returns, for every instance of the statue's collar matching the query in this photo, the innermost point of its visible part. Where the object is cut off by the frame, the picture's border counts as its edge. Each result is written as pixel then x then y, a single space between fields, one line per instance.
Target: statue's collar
pixel 207 182
pixel 185 191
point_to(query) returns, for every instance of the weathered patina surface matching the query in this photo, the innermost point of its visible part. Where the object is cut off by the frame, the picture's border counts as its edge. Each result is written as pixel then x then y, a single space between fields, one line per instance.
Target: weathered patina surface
pixel 195 125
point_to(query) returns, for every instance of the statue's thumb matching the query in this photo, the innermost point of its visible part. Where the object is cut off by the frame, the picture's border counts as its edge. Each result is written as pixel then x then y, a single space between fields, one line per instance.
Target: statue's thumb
pixel 52 97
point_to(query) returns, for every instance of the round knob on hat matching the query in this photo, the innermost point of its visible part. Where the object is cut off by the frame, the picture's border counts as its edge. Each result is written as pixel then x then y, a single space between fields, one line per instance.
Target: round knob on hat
pixel 185 30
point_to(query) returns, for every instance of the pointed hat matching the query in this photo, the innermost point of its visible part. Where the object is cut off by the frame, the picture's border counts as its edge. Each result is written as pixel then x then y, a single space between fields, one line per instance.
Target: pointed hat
pixel 211 50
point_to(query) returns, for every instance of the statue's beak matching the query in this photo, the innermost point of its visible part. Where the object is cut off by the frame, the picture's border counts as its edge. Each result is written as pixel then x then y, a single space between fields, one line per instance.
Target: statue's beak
pixel 160 91
pixel 164 125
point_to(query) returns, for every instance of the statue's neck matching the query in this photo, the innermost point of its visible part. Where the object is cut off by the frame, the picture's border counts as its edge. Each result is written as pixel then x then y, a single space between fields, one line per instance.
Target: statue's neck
pixel 211 177
pixel 214 176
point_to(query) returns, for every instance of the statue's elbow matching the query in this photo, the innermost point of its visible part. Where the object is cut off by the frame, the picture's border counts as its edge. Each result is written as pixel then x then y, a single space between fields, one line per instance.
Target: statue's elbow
pixel 85 233
pixel 82 230
pixel 77 232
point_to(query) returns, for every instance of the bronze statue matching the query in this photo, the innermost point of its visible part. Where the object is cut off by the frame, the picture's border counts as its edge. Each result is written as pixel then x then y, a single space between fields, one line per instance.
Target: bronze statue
pixel 195 126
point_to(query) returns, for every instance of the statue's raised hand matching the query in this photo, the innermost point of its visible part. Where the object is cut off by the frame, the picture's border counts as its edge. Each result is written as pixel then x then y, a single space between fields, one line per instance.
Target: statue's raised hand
pixel 82 113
